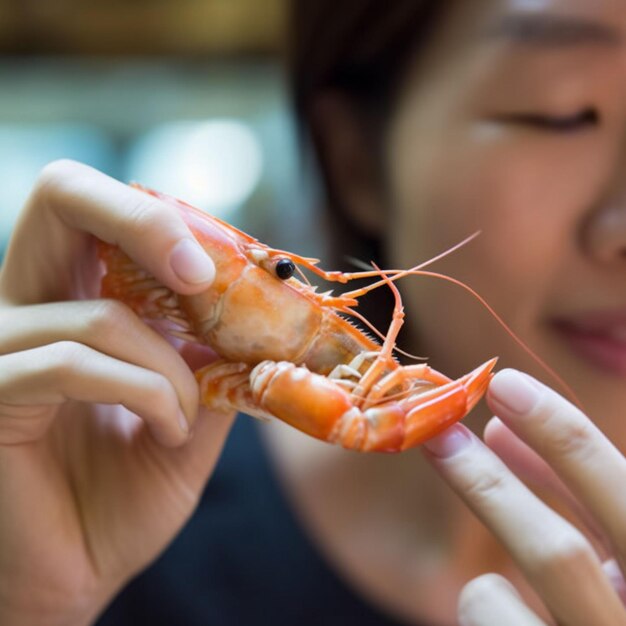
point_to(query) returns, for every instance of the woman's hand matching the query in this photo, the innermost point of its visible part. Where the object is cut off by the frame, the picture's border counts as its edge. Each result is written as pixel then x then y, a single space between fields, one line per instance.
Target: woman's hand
pixel 94 405
pixel 545 439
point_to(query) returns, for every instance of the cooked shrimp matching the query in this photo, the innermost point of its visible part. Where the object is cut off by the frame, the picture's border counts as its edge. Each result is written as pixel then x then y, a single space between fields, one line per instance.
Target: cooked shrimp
pixel 289 352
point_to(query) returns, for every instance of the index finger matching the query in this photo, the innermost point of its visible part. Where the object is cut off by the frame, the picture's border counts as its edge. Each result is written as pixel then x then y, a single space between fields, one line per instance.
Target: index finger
pixel 71 199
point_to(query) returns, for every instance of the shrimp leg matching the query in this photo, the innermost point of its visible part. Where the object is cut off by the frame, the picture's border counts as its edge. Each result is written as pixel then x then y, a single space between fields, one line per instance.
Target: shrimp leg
pixel 322 408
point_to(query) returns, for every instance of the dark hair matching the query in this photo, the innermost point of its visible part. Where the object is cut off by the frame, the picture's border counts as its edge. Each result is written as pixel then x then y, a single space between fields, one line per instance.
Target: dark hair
pixel 362 49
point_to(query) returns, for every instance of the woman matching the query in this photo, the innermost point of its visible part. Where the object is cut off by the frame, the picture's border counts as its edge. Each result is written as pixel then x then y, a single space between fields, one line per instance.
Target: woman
pixel 431 120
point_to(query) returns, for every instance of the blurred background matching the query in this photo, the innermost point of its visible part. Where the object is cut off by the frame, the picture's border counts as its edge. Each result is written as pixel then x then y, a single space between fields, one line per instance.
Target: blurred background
pixel 187 96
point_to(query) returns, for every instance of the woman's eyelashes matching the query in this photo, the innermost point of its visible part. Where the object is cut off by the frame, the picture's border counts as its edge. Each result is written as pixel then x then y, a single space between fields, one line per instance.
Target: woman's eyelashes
pixel 582 120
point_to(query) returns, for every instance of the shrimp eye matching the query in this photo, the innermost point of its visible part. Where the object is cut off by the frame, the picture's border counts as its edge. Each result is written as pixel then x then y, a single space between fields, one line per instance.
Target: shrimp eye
pixel 285 269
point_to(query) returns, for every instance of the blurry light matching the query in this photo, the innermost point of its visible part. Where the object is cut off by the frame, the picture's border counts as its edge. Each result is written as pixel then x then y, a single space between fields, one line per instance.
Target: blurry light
pixel 214 165
pixel 25 149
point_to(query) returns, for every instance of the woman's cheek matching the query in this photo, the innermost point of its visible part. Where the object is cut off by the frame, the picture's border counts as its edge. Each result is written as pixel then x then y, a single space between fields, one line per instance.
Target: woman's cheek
pixel 527 196
pixel 527 206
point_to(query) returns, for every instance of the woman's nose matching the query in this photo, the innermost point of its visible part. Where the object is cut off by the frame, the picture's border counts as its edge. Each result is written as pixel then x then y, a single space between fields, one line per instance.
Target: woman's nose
pixel 606 233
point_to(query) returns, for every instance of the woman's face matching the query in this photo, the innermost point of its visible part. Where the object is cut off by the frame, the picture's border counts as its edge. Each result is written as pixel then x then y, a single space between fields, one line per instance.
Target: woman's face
pixel 513 122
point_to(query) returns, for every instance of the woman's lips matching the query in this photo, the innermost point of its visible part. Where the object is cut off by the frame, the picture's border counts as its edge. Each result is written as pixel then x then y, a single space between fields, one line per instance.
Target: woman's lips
pixel 600 338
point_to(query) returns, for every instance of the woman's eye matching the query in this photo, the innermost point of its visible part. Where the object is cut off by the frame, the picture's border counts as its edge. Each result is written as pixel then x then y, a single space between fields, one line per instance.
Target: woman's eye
pixel 582 120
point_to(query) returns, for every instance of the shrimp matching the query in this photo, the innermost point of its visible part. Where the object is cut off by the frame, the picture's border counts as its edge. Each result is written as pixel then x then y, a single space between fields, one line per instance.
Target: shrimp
pixel 288 352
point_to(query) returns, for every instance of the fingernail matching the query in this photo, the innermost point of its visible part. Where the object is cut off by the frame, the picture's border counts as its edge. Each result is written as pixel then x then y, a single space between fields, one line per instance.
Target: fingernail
pixel 191 263
pixel 514 391
pixel 449 442
pixel 182 422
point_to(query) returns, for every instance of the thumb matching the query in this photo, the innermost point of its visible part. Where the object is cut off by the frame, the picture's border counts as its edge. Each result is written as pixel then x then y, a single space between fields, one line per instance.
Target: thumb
pixel 195 461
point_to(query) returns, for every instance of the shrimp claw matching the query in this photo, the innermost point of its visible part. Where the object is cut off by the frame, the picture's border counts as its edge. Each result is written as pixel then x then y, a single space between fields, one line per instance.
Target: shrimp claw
pixel 320 407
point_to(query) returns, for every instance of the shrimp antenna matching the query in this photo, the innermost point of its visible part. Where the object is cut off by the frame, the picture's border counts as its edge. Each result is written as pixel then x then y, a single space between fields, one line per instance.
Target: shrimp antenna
pixel 418 270
pixel 303 276
pixel 394 275
pixel 358 263
pixel 381 336
pixel 344 277
pixel 369 273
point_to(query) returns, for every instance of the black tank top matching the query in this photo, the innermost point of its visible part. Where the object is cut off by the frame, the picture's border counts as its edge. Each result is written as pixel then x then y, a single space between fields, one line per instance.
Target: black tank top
pixel 242 559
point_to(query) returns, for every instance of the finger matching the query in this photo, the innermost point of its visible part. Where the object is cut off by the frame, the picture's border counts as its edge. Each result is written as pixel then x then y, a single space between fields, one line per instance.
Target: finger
pixel 71 199
pixel 197 356
pixel 107 326
pixel 54 374
pixel 532 469
pixel 555 557
pixel 196 460
pixel 490 600
pixel 613 572
pixel 579 452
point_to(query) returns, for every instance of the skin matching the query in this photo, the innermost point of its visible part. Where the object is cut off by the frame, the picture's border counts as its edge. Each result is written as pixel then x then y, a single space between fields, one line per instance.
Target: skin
pixel 549 204
pixel 92 490
pixel 94 405
pixel 462 155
